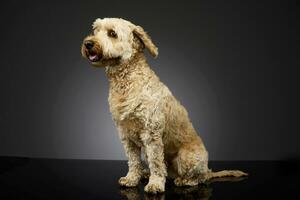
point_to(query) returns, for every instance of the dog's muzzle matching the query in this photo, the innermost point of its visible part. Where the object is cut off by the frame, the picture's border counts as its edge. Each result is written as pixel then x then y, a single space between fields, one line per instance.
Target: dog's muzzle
pixel 89 44
pixel 92 52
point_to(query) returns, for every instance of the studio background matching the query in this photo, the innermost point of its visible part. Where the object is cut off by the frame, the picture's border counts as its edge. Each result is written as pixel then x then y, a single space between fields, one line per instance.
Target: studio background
pixel 231 64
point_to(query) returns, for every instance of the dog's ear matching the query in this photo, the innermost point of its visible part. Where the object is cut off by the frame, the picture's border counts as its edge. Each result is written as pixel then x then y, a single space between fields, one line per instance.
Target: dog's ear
pixel 145 38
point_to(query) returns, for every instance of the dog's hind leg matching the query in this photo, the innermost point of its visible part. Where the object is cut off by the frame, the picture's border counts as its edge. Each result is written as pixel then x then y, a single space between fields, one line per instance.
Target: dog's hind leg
pixel 191 164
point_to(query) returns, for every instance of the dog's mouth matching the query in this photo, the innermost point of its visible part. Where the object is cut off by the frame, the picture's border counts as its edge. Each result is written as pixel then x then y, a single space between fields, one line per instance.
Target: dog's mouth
pixel 94 57
pixel 97 59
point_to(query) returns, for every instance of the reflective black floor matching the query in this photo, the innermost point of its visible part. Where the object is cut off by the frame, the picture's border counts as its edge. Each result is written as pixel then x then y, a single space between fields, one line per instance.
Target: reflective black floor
pixel 23 178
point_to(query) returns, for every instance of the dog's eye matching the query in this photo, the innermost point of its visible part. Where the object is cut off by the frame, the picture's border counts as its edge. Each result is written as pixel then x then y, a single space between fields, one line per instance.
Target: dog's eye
pixel 112 33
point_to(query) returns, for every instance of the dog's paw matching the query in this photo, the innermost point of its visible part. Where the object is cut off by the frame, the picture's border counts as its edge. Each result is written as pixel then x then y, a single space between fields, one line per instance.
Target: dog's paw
pixel 185 182
pixel 178 181
pixel 154 188
pixel 128 181
pixel 155 185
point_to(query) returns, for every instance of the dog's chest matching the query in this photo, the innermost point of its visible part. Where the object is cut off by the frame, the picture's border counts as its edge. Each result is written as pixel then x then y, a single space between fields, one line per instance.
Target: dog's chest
pixel 128 114
pixel 121 106
pixel 123 102
pixel 132 130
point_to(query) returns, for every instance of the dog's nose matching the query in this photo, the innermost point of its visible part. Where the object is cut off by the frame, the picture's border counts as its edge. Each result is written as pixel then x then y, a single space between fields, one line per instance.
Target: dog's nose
pixel 89 44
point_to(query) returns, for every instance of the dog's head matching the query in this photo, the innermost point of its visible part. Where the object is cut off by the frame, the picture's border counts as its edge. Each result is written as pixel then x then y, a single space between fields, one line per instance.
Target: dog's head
pixel 115 41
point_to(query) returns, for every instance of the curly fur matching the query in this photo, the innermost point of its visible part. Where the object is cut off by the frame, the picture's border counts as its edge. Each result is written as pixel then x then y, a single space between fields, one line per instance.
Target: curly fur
pixel 149 118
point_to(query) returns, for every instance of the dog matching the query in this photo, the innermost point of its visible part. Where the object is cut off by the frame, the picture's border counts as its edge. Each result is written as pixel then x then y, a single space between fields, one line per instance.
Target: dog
pixel 149 119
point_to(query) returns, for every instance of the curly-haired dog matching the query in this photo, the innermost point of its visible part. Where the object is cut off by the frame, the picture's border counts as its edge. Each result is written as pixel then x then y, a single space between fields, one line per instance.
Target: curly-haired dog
pixel 148 117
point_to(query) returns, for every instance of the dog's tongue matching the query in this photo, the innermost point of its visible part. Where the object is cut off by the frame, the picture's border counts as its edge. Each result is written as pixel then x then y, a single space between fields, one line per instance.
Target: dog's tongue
pixel 93 57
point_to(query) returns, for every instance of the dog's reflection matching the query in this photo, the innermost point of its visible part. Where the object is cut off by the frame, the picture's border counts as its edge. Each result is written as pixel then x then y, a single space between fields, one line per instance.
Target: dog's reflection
pixel 201 191
pixel 134 194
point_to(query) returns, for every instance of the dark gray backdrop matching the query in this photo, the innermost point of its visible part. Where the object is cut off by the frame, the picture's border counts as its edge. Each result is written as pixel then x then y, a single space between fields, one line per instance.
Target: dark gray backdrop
pixel 231 64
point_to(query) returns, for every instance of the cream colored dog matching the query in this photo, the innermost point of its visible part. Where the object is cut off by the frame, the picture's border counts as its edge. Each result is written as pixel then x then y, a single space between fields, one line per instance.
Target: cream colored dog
pixel 149 118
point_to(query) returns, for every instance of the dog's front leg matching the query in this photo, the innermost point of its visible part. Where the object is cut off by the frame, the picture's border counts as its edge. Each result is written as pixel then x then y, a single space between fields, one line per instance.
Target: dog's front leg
pixel 154 150
pixel 135 168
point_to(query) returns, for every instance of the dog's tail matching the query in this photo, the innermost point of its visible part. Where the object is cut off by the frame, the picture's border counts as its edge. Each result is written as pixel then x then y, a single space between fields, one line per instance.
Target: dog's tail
pixel 225 173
